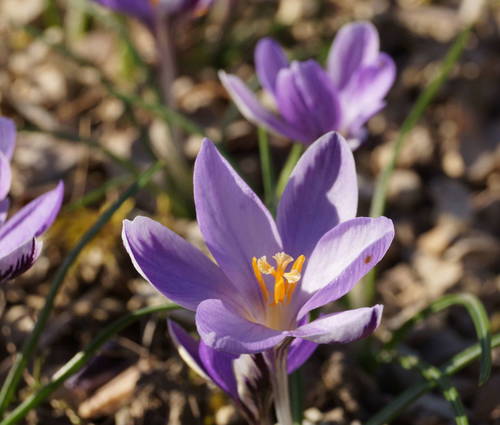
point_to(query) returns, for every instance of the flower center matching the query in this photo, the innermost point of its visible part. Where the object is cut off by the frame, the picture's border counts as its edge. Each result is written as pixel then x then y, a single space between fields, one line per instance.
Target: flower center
pixel 284 282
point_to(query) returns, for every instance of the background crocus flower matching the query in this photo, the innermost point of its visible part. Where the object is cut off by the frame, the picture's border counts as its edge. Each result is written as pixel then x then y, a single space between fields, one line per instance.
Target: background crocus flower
pixel 19 246
pixel 312 101
pixel 148 11
pixel 244 378
pixel 269 275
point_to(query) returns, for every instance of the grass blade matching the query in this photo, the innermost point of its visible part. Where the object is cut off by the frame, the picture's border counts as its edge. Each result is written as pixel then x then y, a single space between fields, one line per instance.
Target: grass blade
pixel 79 360
pixel 266 168
pixel 293 157
pixel 479 318
pixel 406 398
pixel 11 382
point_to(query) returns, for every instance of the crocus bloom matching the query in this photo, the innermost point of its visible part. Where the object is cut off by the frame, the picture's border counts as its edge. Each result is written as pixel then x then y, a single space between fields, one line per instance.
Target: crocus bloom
pixel 312 101
pixel 244 378
pixel 19 246
pixel 269 275
pixel 148 10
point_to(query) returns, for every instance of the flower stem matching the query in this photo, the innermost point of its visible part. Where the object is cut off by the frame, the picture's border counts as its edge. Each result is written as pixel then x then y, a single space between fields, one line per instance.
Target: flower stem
pixel 279 382
pixel 292 159
pixel 266 168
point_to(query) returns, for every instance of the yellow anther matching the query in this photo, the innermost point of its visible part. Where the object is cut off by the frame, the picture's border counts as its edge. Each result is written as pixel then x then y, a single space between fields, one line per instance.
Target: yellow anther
pixel 260 279
pixel 284 282
pixel 264 266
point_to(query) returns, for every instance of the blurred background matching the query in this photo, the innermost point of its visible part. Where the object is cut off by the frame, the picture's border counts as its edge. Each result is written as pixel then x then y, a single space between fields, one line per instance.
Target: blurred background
pixel 83 87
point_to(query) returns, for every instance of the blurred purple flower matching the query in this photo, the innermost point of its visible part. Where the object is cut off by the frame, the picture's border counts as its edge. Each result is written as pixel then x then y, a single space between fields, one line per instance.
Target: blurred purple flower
pixel 312 101
pixel 244 378
pixel 243 303
pixel 147 11
pixel 19 247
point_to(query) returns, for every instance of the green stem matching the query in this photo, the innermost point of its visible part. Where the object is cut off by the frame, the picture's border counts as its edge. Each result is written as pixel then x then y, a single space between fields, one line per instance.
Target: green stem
pixel 11 382
pixel 292 159
pixel 266 168
pixel 80 359
pixel 418 109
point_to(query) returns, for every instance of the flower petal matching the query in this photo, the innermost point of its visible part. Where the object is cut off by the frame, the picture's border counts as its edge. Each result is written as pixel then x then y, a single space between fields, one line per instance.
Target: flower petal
pixel 321 192
pixel 5 176
pixel 343 327
pixel 269 60
pixel 307 98
pixel 219 366
pixel 224 330
pixel 299 352
pixel 173 266
pixel 20 259
pixel 4 208
pixel 7 137
pixel 356 45
pixel 142 10
pixel 253 111
pixel 235 224
pixel 341 258
pixel 31 221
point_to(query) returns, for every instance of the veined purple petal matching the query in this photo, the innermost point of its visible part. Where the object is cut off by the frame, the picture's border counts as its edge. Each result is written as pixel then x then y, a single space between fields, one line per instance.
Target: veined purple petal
pixel 219 366
pixel 4 208
pixel 343 327
pixel 224 330
pixel 235 224
pixel 307 98
pixel 299 352
pixel 5 176
pixel 342 257
pixel 269 60
pixel 19 259
pixel 173 266
pixel 31 221
pixel 7 137
pixel 253 111
pixel 321 192
pixel 140 9
pixel 356 45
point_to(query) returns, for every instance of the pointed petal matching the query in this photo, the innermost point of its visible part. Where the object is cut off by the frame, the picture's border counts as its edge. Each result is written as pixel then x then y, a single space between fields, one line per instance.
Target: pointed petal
pixel 31 221
pixel 253 111
pixel 235 224
pixel 219 366
pixel 321 192
pixel 269 60
pixel 343 327
pixel 342 257
pixel 173 266
pixel 20 259
pixel 5 176
pixel 356 45
pixel 7 137
pixel 224 330
pixel 4 208
pixel 299 352
pixel 142 10
pixel 307 98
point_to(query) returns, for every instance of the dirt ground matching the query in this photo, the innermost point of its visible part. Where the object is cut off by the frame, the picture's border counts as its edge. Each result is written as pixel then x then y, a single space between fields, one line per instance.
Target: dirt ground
pixel 56 59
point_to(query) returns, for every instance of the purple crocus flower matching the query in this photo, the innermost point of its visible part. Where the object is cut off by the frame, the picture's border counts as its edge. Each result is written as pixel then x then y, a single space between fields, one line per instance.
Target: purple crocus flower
pixel 147 11
pixel 244 378
pixel 312 101
pixel 19 246
pixel 269 275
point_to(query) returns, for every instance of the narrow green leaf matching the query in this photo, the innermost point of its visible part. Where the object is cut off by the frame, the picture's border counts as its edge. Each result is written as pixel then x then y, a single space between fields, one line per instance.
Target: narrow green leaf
pixel 296 397
pixel 457 362
pixel 79 360
pixel 12 381
pixel 479 318
pixel 266 168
